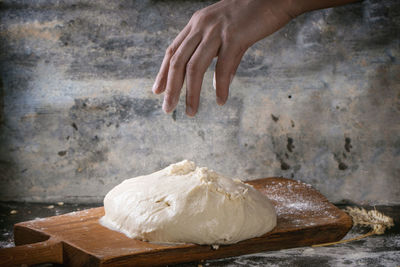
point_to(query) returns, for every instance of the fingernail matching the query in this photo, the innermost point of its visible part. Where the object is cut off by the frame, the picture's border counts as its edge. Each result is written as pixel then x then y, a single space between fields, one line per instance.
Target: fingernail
pixel 189 111
pixel 154 89
pixel 214 82
pixel 220 101
pixel 166 107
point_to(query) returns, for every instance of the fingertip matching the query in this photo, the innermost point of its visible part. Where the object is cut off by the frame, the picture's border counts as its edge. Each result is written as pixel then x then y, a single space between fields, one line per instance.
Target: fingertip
pixel 221 101
pixel 191 115
pixel 222 87
pixel 191 112
pixel 158 88
pixel 167 111
pixel 157 91
pixel 167 108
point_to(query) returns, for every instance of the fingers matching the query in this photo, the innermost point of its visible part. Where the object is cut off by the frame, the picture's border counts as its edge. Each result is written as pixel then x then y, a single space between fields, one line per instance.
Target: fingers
pixel 161 79
pixel 225 69
pixel 176 71
pixel 195 70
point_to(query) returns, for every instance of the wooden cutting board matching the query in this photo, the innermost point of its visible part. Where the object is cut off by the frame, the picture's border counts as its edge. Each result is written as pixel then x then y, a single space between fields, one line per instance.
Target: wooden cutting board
pixel 305 217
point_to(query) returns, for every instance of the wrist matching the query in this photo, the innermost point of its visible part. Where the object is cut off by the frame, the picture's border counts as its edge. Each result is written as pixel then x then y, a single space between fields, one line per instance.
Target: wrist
pixel 295 8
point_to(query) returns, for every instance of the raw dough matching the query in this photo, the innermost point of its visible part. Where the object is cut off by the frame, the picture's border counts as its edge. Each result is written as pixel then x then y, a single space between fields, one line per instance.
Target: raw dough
pixel 187 204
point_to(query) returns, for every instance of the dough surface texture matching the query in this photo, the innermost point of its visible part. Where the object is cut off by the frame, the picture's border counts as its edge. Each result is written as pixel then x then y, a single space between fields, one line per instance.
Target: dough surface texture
pixel 187 204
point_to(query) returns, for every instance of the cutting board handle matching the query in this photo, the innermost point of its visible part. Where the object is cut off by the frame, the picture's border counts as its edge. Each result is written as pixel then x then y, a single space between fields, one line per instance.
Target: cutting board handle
pixel 49 251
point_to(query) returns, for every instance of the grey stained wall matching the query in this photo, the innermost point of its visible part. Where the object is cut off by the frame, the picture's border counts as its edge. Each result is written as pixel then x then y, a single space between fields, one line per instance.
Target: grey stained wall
pixel 318 101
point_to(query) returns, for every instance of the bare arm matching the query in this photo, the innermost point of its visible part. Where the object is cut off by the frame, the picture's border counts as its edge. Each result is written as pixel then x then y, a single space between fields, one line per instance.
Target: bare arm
pixel 302 6
pixel 225 30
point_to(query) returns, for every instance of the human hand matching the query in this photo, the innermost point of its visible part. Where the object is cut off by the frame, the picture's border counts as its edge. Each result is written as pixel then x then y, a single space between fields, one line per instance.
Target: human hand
pixel 225 30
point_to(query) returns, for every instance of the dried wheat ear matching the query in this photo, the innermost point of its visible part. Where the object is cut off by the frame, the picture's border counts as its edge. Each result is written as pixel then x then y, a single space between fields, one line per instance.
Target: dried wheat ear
pixel 377 221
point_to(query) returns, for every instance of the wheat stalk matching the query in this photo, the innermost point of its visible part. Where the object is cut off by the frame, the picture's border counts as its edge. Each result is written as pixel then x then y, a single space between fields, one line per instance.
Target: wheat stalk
pixel 373 218
pixel 377 221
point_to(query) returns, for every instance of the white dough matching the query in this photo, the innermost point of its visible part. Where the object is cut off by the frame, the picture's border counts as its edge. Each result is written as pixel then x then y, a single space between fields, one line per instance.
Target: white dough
pixel 187 204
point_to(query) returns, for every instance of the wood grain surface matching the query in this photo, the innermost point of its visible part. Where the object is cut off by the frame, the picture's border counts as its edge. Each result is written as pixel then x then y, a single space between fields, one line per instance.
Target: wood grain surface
pixel 305 217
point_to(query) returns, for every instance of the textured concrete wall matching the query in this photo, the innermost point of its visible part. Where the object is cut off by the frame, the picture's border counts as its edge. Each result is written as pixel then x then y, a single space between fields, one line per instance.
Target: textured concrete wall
pixel 318 101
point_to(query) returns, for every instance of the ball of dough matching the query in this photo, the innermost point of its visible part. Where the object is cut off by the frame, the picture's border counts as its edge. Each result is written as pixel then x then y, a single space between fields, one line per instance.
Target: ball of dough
pixel 187 204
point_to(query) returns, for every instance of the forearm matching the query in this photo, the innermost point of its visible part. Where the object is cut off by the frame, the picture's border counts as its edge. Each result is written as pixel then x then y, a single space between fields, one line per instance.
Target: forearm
pixel 301 6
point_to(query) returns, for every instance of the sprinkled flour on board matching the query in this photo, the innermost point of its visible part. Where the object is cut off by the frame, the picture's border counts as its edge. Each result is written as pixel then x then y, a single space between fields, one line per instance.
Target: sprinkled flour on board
pixel 293 206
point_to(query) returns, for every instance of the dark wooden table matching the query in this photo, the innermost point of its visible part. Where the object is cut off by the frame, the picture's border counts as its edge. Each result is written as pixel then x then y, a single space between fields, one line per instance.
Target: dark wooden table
pixel 374 251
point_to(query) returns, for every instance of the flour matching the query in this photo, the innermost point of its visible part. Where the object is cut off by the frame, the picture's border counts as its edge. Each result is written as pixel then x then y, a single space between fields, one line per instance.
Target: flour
pixel 304 210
